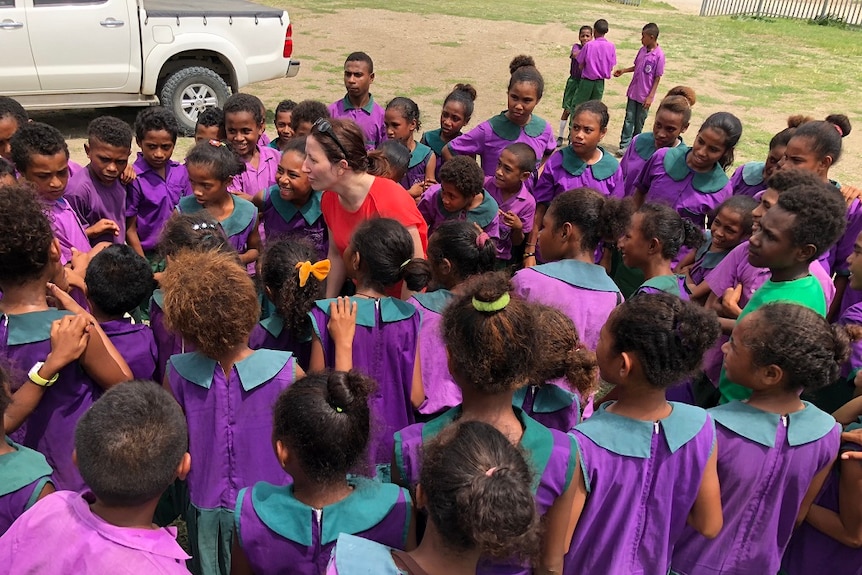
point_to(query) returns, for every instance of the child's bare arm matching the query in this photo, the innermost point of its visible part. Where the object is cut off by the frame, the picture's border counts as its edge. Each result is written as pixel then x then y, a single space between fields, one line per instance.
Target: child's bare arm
pixel 342 330
pixel 846 525
pixel 849 412
pixel 706 516
pixel 813 490
pixel 132 235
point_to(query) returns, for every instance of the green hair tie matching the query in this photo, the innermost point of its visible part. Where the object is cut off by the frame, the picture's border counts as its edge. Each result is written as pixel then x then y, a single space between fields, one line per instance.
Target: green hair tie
pixel 491 306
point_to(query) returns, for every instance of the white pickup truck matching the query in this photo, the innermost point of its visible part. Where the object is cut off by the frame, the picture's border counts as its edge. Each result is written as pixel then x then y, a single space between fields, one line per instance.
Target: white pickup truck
pixel 185 54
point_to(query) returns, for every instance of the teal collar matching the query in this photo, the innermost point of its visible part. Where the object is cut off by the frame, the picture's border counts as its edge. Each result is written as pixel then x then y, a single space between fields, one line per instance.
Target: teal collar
pixel 805 426
pixel 310 211
pixel 549 398
pixel 606 167
pixel 367 505
pixel 483 214
pixel 579 274
pixel 434 141
pixel 435 301
pixel 633 438
pixel 24 328
pixel 391 309
pixel 21 468
pixel 678 170
pixel 367 108
pixel 645 145
pixel 508 130
pixel 159 298
pixel 752 173
pixel 242 215
pixel 358 556
pixel 418 155
pixel 274 325
pixel 253 371
pixel 668 284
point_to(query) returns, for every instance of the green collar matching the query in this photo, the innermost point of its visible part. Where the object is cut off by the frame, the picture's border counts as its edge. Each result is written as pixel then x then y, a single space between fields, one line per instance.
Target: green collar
pixel 253 371
pixel 367 108
pixel 21 468
pixel 24 328
pixel 367 505
pixel 435 301
pixel 678 170
pixel 418 155
pixel 645 145
pixel 580 274
pixel 242 215
pixel 433 140
pixel 482 215
pixel 668 284
pixel 549 398
pixel 391 309
pixel 752 173
pixel 274 325
pixel 805 426
pixel 159 298
pixel 508 130
pixel 606 167
pixel 310 211
pixel 633 438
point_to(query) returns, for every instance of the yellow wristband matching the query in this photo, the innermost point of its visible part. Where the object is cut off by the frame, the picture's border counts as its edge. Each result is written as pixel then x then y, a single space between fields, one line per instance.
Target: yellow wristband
pixel 34 376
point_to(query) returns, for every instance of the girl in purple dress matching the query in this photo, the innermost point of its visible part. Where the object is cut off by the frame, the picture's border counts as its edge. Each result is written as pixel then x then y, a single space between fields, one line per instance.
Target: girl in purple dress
pixel 402 122
pixel 320 432
pixel 475 486
pixel 648 466
pixel 751 178
pixel 456 113
pixel 774 450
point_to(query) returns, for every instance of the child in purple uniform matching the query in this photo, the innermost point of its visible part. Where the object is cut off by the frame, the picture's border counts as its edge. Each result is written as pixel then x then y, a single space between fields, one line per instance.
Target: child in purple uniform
pixel 751 178
pixel 467 472
pixel 320 432
pixel 283 115
pixel 509 188
pixel 226 391
pixel 210 125
pixel 774 450
pixel 516 124
pixel 384 343
pixel 244 124
pixel 646 75
pixel 358 104
pixel 460 195
pixel 402 122
pixel 306 114
pixel 130 446
pixel 648 465
pixel 596 61
pixel 585 34
pixel 456 113
pixel 96 193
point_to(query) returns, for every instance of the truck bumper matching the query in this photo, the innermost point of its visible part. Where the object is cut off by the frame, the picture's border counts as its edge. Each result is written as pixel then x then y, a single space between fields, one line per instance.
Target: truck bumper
pixel 292 69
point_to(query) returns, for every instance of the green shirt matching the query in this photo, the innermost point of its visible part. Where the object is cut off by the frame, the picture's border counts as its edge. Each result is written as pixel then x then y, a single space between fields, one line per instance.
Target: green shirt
pixel 804 291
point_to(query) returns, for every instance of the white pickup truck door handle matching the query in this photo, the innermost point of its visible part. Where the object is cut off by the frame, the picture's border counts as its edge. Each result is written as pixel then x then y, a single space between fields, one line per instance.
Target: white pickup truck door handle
pixel 8 24
pixel 111 23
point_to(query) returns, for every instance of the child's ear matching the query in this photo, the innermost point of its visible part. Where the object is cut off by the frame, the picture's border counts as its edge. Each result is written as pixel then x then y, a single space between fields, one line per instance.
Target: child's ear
pixel 282 453
pixel 683 129
pixel 421 498
pixel 627 364
pixel 654 246
pixel 525 176
pixel 54 251
pixel 87 149
pixel 772 375
pixel 75 457
pixel 445 266
pixel 268 293
pixel 805 253
pixel 826 163
pixel 184 467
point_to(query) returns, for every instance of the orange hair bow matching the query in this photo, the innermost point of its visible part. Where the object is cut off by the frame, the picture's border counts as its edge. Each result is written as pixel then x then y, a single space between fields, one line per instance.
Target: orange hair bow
pixel 319 270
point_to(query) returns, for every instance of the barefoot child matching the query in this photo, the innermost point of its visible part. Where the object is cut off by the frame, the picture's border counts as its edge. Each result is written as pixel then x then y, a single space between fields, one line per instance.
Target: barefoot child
pixel 517 207
pixel 402 121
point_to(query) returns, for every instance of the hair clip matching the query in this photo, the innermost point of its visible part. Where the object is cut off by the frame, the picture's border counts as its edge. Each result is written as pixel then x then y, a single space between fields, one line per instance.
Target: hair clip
pixel 491 306
pixel 491 471
pixel 840 131
pixel 217 144
pixel 319 270
pixel 339 410
pixel 203 226
pixel 481 239
pixel 404 265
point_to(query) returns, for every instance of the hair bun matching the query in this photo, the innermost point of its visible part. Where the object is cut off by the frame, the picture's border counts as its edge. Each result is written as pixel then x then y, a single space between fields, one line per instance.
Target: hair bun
pixel 467 89
pixel 345 389
pixel 520 61
pixel 841 123
pixel 685 91
pixel 797 120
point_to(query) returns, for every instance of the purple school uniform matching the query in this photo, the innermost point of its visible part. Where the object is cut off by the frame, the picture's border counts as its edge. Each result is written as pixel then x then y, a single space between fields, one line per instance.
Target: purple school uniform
pixel 441 391
pixel 50 428
pixel 384 348
pixel 642 480
pixel 583 291
pixel 23 475
pixel 254 180
pixel 597 59
pixel 673 284
pixel 168 343
pixel 419 158
pixel 67 229
pixel 492 136
pixel 634 159
pixel 237 226
pixel 841 251
pixel 61 534
pixel 270 333
pixel 705 260
pixel 369 118
pixel 747 179
pixel 282 218
pixel 649 65
pixel 358 556
pixel 152 199
pixel 136 345
pixel 485 215
pixel 433 140
pixel 279 533
pixel 523 204
pixel 765 466
pixel 552 404
pixel 852 316
pixel 565 171
pixel 93 201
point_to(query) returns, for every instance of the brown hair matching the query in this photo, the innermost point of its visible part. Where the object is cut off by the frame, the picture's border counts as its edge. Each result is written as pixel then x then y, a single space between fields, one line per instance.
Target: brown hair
pixel 562 354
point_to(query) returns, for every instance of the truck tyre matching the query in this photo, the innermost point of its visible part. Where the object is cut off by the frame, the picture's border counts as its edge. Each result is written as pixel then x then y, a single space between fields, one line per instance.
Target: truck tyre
pixel 189 91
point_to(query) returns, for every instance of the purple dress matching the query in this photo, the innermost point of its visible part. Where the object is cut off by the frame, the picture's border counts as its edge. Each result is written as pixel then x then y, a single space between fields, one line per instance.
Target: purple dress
pixel 486 214
pixel 67 229
pixel 747 179
pixel 705 260
pixel 642 480
pixel 282 218
pixel 168 343
pixel 765 466
pixel 384 348
pixel 441 391
pixel 552 404
pixel 522 204
pixel 419 158
pixel 92 201
pixel 254 180
pixel 841 251
pixel 152 199
pixel 565 171
pixel 237 226
pixel 369 118
pixel 136 345
pixel 280 534
pixel 636 156
pixel 433 140
pixel 270 333
pixel 23 475
pixel 852 316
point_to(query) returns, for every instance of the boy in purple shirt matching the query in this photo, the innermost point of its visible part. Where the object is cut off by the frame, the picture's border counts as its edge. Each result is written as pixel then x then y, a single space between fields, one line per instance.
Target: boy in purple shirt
pixel 596 61
pixel 358 104
pixel 517 207
pixel 130 445
pixel 647 72
pixel 460 196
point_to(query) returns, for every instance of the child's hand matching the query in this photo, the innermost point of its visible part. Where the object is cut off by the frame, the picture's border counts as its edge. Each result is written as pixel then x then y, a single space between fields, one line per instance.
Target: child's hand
pixel 103 226
pixel 511 219
pixel 342 321
pixel 69 338
pixel 850 193
pixel 64 301
pixel 417 189
pixel 617 73
pixel 730 302
pixel 648 102
pixel 854 436
pixel 129 175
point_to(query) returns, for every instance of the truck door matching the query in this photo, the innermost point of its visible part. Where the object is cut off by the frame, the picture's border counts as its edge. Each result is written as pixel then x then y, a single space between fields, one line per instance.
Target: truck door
pixel 83 45
pixel 19 70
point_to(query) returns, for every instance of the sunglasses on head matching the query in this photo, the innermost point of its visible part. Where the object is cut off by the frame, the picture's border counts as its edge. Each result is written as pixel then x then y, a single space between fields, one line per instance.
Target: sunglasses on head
pixel 324 127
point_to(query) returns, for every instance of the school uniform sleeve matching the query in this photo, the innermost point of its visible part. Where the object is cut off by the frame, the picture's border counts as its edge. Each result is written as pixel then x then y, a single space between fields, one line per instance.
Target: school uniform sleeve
pixel 471 143
pixel 724 276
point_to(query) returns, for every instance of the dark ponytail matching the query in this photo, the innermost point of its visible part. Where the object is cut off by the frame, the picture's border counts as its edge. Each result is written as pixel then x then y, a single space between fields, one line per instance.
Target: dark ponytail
pixel 385 250
pixel 459 242
pixel 662 222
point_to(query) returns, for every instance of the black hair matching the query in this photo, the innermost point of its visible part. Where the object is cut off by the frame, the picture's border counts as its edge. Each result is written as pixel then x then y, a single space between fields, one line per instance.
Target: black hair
pixel 242 102
pixel 783 137
pixel 731 127
pixel 352 139
pixel 562 354
pixel 118 280
pixel 464 94
pixel 597 217
pixel 361 57
pixel 279 274
pixel 662 222
pixel 27 236
pixel 224 162
pixel 385 250
pixel 324 419
pixel 478 489
pixel 743 206
pixel 209 117
pixel 465 174
pixel 585 27
pixel 156 119
pixel 523 70
pixel 395 160
pixel 679 100
pixel 308 111
pixel 36 138
pixel 408 108
pixel 11 108
pixel 596 107
pixel 800 341
pixel 601 26
pixel 525 154
pixel 667 335
pixel 195 231
pixel 457 241
pixel 7 167
pixel 110 130
pixel 651 29
pixel 130 443
pixel 826 135
pixel 295 144
pixel 820 215
pixel 786 178
pixel 285 106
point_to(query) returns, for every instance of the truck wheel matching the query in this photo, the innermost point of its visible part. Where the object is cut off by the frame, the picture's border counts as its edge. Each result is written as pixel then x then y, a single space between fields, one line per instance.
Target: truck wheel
pixel 189 91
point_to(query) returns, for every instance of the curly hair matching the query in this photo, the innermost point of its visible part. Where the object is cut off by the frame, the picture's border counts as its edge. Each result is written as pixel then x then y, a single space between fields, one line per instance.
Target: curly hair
pixel 307 111
pixel 211 117
pixel 110 130
pixel 783 180
pixel 11 108
pixel 562 354
pixel 242 102
pixel 465 174
pixel 118 280
pixel 198 231
pixel 209 300
pixel 597 217
pixel 27 236
pixel 820 215
pixel 156 119
pixel 663 223
pixel 457 241
pixel 280 276
pixel 36 138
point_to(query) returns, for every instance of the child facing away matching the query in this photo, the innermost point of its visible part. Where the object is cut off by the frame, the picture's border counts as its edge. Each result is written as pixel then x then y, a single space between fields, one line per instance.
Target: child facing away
pixel 646 75
pixel 402 122
pixel 468 471
pixel 585 34
pixel 96 193
pixel 129 446
pixel 751 178
pixel 456 113
pixel 210 125
pixel 12 117
pixel 244 123
pixel 358 104
pixel 321 426
pixel 774 450
pixel 283 115
pixel 460 195
pixel 648 465
pixel 596 61
pixel 227 392
pixel 397 160
pixel 517 208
